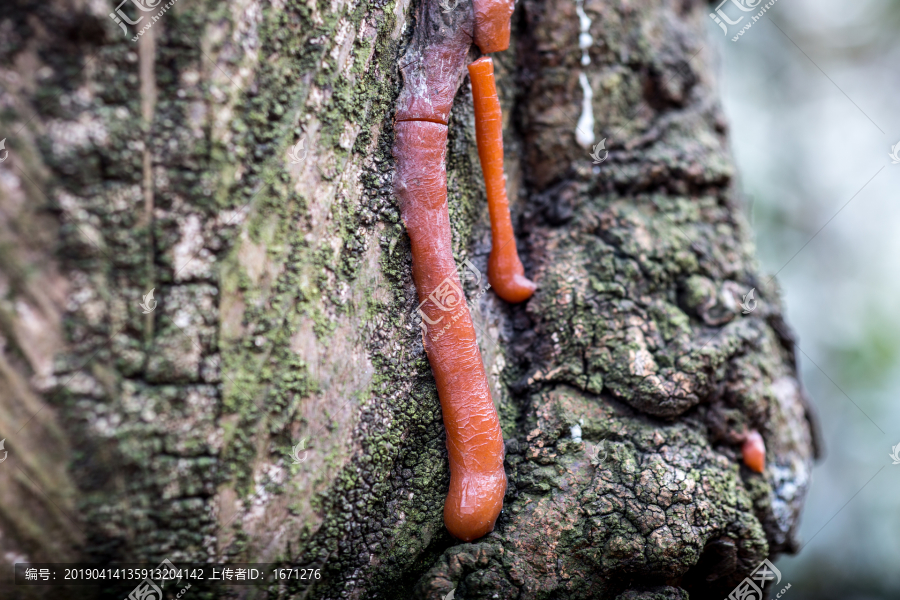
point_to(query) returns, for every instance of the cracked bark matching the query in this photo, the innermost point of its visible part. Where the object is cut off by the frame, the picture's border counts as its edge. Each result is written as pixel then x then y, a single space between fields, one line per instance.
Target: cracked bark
pixel 284 300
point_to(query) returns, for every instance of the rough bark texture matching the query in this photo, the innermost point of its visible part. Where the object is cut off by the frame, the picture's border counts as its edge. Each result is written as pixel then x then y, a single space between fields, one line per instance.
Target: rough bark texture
pixel 284 301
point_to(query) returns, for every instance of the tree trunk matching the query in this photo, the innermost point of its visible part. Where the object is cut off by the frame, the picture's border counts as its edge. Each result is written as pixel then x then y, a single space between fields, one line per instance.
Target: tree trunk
pixel 272 400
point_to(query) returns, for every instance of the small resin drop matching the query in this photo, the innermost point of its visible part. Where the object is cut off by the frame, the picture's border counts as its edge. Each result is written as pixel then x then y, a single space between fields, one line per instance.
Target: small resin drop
pixel 754 451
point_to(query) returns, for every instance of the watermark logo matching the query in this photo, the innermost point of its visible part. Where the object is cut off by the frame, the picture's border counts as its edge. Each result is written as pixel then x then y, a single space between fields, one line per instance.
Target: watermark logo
pixel 148 590
pixel 3 441
pixel 594 453
pixel 895 153
pixel 448 297
pixel 149 304
pixel 751 587
pixel 450 594
pixel 600 147
pixel 122 18
pixel 749 302
pixel 296 450
pixel 295 153
pixel 6 152
pixel 144 6
pixel 722 19
pixel 448 6
pixel 895 453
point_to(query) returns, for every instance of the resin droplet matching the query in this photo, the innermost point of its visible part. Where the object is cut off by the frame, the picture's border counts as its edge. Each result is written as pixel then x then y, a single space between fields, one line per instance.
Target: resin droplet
pixel 754 451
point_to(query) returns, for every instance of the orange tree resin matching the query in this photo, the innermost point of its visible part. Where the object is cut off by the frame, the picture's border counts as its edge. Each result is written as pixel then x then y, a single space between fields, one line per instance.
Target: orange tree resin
pixel 474 440
pixel 505 270
pixel 433 68
pixel 492 24
pixel 753 451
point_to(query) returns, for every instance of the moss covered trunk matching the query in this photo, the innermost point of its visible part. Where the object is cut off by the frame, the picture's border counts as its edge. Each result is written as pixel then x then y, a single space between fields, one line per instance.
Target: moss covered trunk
pixel 271 400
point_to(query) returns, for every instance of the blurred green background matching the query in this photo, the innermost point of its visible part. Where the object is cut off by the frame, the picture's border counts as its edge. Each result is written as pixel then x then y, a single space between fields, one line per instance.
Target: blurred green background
pixel 812 93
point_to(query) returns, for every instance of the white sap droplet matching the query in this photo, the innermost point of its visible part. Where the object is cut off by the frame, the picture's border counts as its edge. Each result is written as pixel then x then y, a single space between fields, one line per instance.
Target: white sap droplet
pixel 576 432
pixel 584 42
pixel 584 38
pixel 584 131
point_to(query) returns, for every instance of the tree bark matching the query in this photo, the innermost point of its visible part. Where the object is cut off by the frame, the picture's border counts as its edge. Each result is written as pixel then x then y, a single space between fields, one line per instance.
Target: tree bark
pixel 281 274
